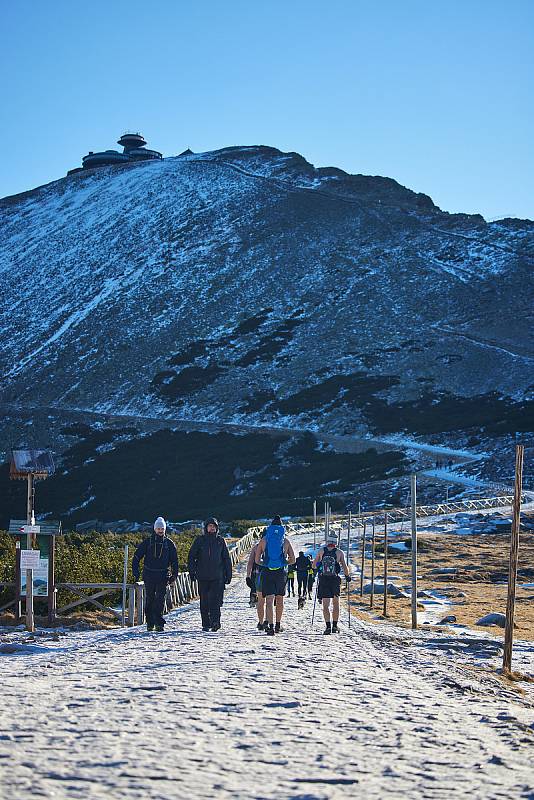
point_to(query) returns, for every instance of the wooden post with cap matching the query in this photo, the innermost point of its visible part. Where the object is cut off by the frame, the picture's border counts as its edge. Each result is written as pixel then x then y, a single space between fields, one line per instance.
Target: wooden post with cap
pixel 514 556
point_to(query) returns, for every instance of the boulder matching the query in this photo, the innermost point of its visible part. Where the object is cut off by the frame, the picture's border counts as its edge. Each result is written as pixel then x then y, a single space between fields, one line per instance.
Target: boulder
pixel 492 619
pixel 447 620
pixel 393 591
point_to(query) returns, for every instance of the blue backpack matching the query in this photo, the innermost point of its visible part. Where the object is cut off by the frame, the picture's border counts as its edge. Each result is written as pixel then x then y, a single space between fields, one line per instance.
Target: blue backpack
pixel 274 557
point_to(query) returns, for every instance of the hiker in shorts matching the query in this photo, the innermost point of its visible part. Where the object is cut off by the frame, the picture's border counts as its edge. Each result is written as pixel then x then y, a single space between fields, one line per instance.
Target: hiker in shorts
pixel 254 584
pixel 275 552
pixel 303 564
pixel 330 561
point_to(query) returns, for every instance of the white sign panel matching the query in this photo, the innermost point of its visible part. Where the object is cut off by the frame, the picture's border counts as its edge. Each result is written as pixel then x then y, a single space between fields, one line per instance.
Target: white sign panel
pixel 31 529
pixel 30 559
pixel 40 579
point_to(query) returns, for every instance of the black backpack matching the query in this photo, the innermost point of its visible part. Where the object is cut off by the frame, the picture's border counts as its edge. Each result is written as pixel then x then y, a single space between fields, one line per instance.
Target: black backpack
pixel 329 563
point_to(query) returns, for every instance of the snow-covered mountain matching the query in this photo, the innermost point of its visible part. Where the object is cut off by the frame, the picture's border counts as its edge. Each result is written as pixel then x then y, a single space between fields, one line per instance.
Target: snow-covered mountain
pixel 244 285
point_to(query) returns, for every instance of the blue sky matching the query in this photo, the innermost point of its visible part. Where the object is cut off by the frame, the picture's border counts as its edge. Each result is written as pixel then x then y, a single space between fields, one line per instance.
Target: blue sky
pixel 437 95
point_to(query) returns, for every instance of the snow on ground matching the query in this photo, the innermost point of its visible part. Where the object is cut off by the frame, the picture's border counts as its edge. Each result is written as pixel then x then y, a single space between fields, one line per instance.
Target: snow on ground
pixel 236 714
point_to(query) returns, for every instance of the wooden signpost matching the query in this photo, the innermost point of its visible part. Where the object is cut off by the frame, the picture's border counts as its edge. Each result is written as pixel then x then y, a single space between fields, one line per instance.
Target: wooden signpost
pixel 373 543
pixel 362 573
pixel 386 544
pixel 414 549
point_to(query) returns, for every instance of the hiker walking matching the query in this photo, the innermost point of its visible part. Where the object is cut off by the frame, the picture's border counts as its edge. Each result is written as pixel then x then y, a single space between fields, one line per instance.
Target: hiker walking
pixel 275 552
pixel 209 563
pixel 302 564
pixel 254 584
pixel 290 580
pixel 330 561
pixel 160 567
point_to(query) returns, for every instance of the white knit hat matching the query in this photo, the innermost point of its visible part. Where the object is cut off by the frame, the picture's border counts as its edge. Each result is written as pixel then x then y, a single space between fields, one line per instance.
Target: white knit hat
pixel 160 523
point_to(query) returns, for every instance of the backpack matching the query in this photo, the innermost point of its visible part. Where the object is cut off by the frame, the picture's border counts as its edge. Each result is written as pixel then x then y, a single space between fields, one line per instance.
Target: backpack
pixel 273 556
pixel 329 563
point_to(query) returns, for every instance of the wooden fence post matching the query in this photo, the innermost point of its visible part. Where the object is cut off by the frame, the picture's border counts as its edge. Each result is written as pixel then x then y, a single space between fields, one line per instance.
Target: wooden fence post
pixel 362 577
pixel 514 555
pixel 140 602
pixel 373 542
pixel 124 579
pixel 131 606
pixel 385 611
pixel 414 550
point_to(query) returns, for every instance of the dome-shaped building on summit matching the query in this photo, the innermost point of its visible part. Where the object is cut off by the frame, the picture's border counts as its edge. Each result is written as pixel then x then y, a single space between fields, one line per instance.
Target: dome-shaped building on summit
pixel 134 149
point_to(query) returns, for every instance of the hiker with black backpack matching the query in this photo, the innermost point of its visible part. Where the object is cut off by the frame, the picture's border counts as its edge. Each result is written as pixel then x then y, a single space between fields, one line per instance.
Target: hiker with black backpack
pixel 275 553
pixel 160 567
pixel 302 564
pixel 209 563
pixel 330 561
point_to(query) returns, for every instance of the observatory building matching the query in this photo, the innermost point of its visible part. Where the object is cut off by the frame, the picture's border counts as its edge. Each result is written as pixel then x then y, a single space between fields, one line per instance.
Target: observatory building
pixel 134 149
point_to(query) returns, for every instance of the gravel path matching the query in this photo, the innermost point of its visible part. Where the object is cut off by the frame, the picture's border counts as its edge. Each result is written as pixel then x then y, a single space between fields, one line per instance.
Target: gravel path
pixel 126 715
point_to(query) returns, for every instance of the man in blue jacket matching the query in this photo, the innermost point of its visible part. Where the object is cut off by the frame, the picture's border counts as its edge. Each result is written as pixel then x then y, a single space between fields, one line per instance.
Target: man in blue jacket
pixel 160 567
pixel 209 563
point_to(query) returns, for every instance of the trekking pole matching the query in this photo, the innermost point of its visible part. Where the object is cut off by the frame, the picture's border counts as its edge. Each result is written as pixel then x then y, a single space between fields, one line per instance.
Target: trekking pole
pixel 348 600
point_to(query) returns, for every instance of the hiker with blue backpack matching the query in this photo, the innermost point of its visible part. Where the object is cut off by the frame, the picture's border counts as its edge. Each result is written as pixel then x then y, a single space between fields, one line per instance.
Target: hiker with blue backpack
pixel 275 553
pixel 330 562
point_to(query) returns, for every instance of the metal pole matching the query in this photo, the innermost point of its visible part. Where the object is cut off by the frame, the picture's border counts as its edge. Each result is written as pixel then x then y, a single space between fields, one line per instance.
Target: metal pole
pixel 514 553
pixel 325 519
pixel 30 519
pixel 124 580
pixel 314 526
pixel 385 611
pixel 348 537
pixel 363 560
pixel 373 542
pixel 414 550
pixel 30 622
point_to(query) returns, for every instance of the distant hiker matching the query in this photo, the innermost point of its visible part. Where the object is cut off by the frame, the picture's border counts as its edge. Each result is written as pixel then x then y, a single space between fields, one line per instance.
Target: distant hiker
pixel 209 563
pixel 254 584
pixel 290 579
pixel 330 561
pixel 160 567
pixel 275 552
pixel 302 564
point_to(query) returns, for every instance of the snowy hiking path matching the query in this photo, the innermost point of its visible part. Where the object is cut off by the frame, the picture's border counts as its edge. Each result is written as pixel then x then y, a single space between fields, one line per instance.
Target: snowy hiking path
pixel 126 715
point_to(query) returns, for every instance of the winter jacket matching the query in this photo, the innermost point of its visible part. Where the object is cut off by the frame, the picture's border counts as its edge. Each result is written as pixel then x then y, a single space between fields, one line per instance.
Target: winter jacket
pixel 159 554
pixel 303 563
pixel 209 559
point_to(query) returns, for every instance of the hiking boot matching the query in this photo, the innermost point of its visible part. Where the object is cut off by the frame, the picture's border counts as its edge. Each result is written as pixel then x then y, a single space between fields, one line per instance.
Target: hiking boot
pixel 278 628
pixel 261 626
pixel 335 629
pixel 206 628
pixel 328 629
pixel 216 627
pixel 269 630
pixel 159 629
pixel 150 628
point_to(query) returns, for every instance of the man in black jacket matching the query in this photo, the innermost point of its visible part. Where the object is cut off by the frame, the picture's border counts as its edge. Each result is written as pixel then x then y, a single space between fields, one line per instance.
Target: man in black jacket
pixel 303 564
pixel 160 557
pixel 209 564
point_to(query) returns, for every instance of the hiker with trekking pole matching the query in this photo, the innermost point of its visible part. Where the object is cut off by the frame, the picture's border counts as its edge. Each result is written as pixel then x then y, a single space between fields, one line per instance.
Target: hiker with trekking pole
pixel 275 553
pixel 302 564
pixel 330 561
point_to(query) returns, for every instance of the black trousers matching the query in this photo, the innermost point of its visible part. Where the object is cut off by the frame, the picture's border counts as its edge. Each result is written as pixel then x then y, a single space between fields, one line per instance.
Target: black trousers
pixel 302 581
pixel 155 590
pixel 211 599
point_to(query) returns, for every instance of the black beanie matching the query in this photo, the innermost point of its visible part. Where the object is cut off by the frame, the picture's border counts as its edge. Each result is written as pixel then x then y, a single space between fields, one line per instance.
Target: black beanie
pixel 276 521
pixel 211 521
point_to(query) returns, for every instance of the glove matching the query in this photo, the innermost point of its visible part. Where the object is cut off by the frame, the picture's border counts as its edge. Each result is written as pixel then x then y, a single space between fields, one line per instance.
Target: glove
pixel 136 578
pixel 250 583
pixel 348 578
pixel 192 576
pixel 170 580
pixel 228 580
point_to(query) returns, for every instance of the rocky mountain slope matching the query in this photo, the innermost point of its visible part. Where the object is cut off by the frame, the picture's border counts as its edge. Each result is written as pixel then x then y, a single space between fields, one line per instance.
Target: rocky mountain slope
pixel 245 285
